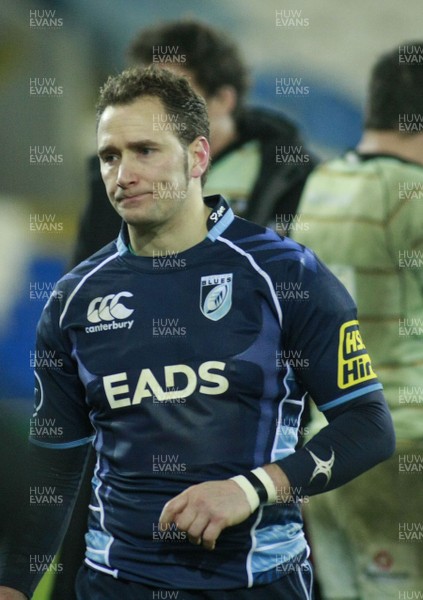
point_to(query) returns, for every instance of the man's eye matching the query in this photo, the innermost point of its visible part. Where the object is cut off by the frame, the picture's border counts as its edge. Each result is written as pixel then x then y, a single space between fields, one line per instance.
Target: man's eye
pixel 109 158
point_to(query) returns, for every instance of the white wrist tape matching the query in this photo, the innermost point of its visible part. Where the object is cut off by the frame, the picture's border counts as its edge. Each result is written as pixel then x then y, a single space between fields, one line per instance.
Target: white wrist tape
pixel 248 489
pixel 267 481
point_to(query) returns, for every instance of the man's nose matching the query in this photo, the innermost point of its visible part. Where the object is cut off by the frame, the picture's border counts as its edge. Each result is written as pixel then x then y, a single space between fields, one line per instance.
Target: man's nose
pixel 127 174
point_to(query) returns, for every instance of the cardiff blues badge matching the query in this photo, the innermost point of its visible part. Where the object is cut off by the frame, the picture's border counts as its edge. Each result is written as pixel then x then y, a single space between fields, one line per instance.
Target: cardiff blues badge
pixel 216 295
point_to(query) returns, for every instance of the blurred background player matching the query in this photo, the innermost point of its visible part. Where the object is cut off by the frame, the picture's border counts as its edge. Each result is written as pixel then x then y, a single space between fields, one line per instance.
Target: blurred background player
pixel 243 139
pixel 365 216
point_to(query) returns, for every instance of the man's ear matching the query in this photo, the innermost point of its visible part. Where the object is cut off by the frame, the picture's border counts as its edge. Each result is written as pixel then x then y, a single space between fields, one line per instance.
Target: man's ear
pixel 200 152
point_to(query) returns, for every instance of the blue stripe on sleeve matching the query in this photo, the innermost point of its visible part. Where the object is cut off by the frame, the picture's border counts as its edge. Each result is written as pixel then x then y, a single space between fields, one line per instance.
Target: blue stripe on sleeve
pixel 351 396
pixel 64 445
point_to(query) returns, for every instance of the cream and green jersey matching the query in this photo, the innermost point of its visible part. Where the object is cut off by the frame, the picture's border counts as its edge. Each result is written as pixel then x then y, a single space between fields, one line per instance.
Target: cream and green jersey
pixel 363 216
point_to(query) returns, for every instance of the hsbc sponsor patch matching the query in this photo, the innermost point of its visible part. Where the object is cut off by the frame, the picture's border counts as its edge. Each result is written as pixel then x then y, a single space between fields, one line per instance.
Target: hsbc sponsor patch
pixel 354 365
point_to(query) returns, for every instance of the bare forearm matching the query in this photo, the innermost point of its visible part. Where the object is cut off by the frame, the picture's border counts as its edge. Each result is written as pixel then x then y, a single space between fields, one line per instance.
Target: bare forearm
pixel 7 593
pixel 280 481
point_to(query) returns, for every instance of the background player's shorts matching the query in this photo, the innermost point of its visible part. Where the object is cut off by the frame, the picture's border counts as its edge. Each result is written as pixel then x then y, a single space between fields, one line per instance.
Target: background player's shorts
pixel 93 585
pixel 367 536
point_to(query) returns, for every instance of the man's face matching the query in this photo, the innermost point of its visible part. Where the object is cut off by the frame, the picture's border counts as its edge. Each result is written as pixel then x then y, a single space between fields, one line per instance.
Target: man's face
pixel 144 166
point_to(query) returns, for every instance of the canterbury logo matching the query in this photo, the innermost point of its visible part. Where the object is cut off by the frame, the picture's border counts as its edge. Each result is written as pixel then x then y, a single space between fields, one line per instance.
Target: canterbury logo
pixel 109 308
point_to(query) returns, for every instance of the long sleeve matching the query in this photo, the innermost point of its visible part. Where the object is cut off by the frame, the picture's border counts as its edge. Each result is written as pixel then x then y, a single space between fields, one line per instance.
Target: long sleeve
pixel 359 435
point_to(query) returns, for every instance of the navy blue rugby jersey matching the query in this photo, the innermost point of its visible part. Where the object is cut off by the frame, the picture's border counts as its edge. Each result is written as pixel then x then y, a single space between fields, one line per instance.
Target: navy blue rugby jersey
pixel 186 368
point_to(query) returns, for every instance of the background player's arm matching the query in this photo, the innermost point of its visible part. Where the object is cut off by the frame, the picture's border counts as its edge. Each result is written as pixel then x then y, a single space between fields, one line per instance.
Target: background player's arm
pixel 56 458
pixel 41 527
pixel 7 593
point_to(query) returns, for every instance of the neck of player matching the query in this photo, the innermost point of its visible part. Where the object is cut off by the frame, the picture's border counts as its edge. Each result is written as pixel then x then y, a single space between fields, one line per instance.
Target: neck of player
pixel 404 145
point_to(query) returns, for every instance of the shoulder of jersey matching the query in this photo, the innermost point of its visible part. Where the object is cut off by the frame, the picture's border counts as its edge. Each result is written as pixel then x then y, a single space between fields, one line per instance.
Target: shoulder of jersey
pixel 265 246
pixel 68 282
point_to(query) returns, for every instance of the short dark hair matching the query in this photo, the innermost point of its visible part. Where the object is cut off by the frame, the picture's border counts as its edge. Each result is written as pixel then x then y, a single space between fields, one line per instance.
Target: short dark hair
pixel 396 86
pixel 187 109
pixel 211 56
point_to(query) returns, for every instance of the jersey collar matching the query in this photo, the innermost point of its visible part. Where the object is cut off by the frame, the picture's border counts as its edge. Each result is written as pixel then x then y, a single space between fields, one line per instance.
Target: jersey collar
pixel 218 220
pixel 220 217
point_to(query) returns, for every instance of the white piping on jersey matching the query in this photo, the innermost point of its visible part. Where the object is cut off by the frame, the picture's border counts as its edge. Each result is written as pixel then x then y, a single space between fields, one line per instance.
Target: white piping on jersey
pixel 113 572
pixel 102 515
pixel 37 408
pixel 280 408
pixel 81 283
pixel 303 583
pixel 253 548
pixel 259 270
pixel 299 402
pixel 284 400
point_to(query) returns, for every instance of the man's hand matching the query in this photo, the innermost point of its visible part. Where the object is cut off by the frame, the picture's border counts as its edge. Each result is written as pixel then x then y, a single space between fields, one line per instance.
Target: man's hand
pixel 7 593
pixel 204 510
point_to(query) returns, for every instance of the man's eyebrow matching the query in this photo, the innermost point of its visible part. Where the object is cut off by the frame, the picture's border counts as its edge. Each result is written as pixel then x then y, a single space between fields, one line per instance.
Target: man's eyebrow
pixel 107 150
pixel 139 145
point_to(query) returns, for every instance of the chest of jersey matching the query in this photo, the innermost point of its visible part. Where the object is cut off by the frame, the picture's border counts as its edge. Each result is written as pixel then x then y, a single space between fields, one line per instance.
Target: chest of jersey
pixel 164 354
pixel 166 335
